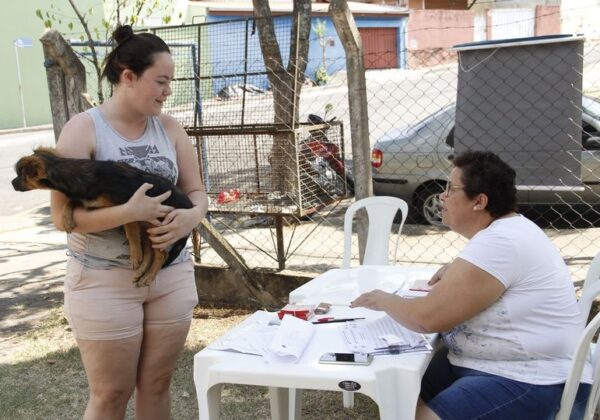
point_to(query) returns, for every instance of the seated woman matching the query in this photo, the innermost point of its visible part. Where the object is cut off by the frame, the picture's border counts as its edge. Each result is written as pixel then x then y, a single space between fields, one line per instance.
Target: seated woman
pixel 506 307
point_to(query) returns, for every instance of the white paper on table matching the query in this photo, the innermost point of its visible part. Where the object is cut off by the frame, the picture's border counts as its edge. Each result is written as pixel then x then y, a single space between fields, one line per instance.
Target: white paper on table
pixel 407 294
pixel 291 339
pixel 369 336
pixel 253 338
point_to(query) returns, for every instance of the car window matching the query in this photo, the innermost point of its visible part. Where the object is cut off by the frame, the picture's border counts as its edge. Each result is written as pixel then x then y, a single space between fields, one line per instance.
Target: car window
pixel 441 116
pixel 591 106
pixel 450 138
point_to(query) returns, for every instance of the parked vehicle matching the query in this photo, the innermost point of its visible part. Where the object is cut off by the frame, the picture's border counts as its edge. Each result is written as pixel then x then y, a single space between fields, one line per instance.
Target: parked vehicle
pixel 414 162
pixel 326 163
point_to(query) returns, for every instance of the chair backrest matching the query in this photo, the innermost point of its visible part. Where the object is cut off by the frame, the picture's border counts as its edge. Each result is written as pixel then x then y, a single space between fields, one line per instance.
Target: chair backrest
pixel 591 287
pixel 381 211
pixel 572 384
pixel 590 290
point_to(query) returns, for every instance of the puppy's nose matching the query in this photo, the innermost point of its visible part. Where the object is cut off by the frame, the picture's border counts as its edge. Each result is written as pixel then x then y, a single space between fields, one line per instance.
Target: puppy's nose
pixel 16 183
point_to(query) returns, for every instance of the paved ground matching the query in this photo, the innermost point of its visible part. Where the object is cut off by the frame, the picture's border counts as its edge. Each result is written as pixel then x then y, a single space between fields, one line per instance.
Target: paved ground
pixel 32 261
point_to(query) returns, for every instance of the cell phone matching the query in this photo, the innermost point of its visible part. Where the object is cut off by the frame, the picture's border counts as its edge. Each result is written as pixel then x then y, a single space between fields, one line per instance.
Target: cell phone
pixel 347 358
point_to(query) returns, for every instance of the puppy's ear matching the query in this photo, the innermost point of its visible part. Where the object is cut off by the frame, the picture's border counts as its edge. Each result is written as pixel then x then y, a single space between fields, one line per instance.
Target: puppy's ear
pixel 44 151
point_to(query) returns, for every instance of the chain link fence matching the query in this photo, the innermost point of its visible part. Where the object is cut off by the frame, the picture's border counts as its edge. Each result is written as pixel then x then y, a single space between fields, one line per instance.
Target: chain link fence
pixel 283 206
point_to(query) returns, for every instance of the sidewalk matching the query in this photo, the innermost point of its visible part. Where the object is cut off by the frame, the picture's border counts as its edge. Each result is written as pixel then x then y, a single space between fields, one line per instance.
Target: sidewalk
pixel 26 129
pixel 32 263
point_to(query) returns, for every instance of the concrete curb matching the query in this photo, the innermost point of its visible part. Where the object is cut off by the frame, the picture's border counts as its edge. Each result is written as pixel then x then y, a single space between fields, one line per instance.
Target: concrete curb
pixel 26 129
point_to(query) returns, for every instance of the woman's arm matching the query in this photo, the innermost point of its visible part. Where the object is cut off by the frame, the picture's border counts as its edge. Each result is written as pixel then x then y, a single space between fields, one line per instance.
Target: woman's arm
pixel 77 140
pixel 465 291
pixel 180 222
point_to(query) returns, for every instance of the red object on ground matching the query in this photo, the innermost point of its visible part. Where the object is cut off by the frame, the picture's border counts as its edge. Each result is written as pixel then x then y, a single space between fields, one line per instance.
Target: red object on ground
pixel 228 196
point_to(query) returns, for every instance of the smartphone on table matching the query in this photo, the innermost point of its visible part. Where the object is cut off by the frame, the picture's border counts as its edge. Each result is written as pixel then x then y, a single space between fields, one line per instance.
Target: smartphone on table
pixel 347 358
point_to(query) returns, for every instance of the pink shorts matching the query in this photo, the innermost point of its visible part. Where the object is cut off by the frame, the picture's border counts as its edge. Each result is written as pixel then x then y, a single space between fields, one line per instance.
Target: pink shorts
pixel 106 305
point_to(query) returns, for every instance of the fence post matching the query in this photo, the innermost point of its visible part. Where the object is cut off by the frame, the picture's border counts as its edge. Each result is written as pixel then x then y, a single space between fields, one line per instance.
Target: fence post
pixel 359 114
pixel 66 80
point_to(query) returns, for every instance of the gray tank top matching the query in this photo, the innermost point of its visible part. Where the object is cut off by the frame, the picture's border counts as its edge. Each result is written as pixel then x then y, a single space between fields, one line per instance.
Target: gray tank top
pixel 153 152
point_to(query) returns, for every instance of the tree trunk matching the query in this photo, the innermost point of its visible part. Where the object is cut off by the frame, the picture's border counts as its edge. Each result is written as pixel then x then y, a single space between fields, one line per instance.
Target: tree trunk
pixel 66 80
pixel 286 84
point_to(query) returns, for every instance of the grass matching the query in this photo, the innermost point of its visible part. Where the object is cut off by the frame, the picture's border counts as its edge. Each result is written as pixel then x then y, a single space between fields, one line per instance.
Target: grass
pixel 45 378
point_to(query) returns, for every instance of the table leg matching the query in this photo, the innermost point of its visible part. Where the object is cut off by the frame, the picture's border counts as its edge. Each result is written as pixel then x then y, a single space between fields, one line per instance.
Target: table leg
pixel 348 399
pixel 280 403
pixel 209 402
pixel 397 395
pixel 296 403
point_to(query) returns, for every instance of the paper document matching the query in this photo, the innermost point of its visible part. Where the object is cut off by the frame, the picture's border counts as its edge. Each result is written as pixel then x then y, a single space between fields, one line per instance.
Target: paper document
pixel 411 293
pixel 253 338
pixel 292 337
pixel 380 334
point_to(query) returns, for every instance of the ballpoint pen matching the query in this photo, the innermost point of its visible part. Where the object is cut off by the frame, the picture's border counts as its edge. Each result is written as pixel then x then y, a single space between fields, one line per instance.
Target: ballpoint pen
pixel 329 320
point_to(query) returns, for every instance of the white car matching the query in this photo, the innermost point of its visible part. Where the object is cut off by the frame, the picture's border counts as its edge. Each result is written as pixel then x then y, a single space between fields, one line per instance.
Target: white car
pixel 413 163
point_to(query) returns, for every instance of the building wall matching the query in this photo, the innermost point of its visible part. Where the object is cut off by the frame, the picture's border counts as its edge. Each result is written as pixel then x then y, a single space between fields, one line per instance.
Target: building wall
pixel 437 4
pixel 18 20
pixel 581 16
pixel 227 52
pixel 430 34
pixel 547 20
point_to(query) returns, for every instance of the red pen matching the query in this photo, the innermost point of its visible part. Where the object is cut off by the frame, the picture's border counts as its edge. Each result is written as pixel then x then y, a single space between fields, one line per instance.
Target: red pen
pixel 330 319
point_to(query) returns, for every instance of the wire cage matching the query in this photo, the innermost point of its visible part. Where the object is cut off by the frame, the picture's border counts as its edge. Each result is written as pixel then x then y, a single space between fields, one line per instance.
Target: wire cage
pixel 238 168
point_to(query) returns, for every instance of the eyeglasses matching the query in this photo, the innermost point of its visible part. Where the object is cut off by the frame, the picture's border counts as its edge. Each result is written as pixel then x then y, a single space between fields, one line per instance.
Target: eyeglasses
pixel 450 188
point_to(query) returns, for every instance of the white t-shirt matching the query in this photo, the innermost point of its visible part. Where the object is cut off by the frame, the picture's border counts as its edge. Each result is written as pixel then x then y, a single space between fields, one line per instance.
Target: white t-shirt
pixel 529 334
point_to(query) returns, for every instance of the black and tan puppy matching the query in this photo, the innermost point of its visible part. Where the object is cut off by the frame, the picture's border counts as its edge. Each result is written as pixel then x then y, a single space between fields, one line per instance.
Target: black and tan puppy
pixel 95 184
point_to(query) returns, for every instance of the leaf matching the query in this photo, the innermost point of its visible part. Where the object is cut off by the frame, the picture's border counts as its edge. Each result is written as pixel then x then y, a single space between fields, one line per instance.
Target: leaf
pixel 70 26
pixel 166 19
pixel 48 23
pixel 38 13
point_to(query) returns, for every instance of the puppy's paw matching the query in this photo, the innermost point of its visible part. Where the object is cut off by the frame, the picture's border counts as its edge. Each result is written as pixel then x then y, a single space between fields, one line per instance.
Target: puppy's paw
pixel 69 223
pixel 67 217
pixel 142 278
pixel 136 260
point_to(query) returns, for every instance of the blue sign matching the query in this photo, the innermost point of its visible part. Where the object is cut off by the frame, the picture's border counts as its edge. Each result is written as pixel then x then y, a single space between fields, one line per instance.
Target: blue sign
pixel 23 42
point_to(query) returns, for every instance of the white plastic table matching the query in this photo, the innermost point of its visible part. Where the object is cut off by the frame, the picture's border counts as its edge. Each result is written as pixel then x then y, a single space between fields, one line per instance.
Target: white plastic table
pixel 393 382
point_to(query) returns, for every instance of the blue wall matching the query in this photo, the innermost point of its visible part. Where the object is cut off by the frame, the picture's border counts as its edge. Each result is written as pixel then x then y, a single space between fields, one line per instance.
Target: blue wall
pixel 227 45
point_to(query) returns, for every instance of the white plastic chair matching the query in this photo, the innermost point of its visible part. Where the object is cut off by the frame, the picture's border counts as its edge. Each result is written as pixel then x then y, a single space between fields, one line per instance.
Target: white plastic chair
pixel 572 384
pixel 591 289
pixel 381 211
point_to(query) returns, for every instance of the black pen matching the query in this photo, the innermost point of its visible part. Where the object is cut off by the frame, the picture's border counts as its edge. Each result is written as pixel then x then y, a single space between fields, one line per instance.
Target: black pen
pixel 330 320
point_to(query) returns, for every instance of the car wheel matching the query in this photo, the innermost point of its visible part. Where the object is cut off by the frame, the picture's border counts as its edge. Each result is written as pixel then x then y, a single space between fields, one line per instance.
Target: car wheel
pixel 428 203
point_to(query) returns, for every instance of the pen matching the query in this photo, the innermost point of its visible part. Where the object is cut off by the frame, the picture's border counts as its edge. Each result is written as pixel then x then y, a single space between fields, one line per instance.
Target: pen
pixel 329 320
pixel 416 289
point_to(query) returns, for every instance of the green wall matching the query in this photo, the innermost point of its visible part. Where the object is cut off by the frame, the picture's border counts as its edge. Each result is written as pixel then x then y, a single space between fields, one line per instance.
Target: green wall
pixel 18 20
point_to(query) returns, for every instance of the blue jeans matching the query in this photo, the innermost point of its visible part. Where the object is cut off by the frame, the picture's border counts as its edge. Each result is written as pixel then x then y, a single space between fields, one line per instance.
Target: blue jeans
pixel 459 393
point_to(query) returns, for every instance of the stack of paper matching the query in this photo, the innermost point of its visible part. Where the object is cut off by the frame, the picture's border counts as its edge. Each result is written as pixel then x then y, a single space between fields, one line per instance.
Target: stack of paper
pixel 253 338
pixel 383 334
pixel 289 342
pixel 283 342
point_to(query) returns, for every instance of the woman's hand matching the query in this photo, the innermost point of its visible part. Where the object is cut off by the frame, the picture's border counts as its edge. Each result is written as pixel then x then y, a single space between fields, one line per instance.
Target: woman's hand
pixel 438 275
pixel 177 224
pixel 145 208
pixel 376 300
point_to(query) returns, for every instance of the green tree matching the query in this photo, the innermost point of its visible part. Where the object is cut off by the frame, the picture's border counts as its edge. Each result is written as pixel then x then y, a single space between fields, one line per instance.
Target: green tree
pixel 121 12
pixel 320 29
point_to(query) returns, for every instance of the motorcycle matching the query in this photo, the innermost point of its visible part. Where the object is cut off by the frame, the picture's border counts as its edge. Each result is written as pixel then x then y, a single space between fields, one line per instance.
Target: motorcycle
pixel 327 164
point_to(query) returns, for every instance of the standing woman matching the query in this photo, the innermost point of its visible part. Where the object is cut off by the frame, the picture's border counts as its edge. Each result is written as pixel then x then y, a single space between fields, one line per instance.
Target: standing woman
pixel 130 337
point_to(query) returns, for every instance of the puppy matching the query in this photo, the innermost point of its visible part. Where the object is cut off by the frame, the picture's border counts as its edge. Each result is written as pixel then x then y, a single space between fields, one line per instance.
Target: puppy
pixel 95 184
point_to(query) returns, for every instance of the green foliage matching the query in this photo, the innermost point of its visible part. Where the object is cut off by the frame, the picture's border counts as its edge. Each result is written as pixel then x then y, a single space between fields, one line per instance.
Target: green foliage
pixel 320 30
pixel 122 12
pixel 321 75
